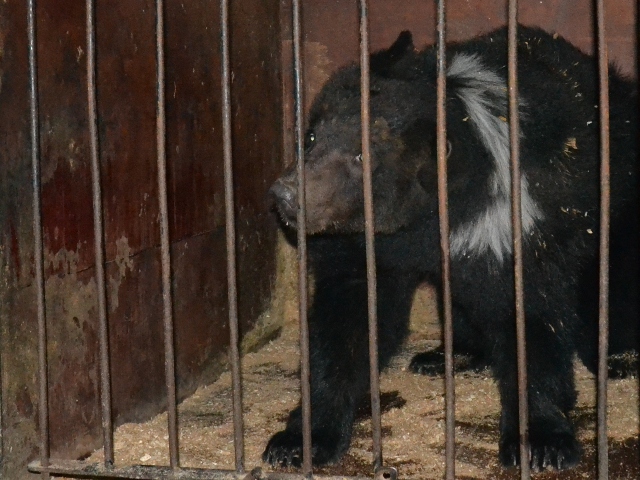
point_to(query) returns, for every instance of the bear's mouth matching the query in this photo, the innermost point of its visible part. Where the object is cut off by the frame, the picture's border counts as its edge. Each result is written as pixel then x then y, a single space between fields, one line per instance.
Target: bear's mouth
pixel 285 201
pixel 286 217
pixel 286 212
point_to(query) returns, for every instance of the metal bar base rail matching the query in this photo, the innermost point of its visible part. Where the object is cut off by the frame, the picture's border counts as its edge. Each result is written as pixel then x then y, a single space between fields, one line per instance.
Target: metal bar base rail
pixel 80 469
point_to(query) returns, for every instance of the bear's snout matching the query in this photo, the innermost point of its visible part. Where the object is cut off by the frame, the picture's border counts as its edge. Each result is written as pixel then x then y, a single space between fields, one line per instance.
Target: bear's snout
pixel 285 196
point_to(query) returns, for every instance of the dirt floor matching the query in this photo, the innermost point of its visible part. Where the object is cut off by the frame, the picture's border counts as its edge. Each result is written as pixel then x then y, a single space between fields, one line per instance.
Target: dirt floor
pixel 412 420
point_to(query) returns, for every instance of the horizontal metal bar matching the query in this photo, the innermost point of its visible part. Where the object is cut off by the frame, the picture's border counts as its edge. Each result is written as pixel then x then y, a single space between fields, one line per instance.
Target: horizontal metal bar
pixel 81 469
pixel 73 468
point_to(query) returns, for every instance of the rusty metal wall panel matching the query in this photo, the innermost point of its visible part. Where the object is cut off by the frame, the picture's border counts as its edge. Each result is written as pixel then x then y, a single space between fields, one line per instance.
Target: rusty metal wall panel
pixel 194 140
pixel 17 305
pixel 126 73
pixel 332 31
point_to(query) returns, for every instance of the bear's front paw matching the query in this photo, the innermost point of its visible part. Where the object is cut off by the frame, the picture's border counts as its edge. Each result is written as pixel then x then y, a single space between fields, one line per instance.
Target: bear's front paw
pixel 559 451
pixel 431 363
pixel 285 449
pixel 623 365
pixel 428 363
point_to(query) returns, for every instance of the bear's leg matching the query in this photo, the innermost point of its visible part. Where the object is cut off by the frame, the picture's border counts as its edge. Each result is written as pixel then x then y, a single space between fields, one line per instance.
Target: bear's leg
pixel 551 398
pixel 624 332
pixel 339 351
pixel 468 349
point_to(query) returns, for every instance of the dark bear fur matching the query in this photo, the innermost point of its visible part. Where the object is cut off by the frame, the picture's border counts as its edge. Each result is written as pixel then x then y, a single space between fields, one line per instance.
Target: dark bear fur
pixel 560 182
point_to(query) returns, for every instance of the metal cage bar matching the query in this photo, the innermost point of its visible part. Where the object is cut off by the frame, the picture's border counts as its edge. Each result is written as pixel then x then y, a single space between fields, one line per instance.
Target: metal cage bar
pixel 170 364
pixel 98 234
pixel 77 468
pixel 369 222
pixel 230 231
pixel 605 194
pixel 43 367
pixel 303 295
pixel 443 215
pixel 516 222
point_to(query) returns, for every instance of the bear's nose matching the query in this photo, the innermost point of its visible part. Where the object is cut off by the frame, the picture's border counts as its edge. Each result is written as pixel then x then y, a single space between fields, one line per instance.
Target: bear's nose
pixel 285 196
pixel 283 192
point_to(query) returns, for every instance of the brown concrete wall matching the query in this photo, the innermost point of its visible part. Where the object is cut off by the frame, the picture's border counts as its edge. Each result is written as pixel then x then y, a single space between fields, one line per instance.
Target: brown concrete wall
pixel 126 74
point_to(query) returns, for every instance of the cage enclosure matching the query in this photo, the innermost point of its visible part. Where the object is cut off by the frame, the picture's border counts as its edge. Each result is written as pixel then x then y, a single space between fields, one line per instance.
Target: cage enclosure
pixel 262 132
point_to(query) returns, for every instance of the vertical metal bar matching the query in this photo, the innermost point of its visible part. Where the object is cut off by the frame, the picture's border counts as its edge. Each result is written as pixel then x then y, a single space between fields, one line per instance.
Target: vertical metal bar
pixel 230 229
pixel 43 367
pixel 98 234
pixel 605 191
pixel 516 221
pixel 169 362
pixel 369 236
pixel 443 204
pixel 305 373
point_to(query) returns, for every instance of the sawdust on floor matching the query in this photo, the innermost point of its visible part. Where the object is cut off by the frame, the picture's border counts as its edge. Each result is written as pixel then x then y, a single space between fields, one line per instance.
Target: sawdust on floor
pixel 412 420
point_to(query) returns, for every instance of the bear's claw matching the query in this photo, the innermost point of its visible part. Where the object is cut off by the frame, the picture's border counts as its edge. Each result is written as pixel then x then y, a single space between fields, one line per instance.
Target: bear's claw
pixel 285 449
pixel 559 451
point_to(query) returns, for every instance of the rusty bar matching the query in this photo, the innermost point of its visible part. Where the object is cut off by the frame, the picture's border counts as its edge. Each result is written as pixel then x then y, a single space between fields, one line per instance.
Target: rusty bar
pixel 516 222
pixel 605 191
pixel 230 229
pixel 81 469
pixel 443 205
pixel 98 234
pixel 43 367
pixel 305 373
pixel 169 361
pixel 369 236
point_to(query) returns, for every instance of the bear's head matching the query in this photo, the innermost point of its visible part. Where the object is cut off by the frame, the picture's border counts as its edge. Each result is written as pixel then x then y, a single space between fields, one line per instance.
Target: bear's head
pixel 401 143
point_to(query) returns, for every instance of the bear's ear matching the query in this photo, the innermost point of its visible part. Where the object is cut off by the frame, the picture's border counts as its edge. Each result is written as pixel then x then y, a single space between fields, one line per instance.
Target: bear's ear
pixel 383 61
pixel 402 45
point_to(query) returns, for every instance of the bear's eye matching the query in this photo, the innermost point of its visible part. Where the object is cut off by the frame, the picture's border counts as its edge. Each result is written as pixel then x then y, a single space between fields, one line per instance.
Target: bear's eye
pixel 309 140
pixel 358 158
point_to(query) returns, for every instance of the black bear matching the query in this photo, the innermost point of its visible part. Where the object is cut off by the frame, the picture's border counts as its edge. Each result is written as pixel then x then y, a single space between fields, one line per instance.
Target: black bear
pixel 558 90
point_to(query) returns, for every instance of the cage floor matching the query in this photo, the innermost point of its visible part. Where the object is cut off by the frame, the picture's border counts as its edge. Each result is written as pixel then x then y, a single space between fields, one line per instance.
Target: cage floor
pixel 413 421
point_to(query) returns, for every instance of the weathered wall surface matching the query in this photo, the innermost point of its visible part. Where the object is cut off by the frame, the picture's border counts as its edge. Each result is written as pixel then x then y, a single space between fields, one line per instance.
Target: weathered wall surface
pixel 333 25
pixel 126 75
